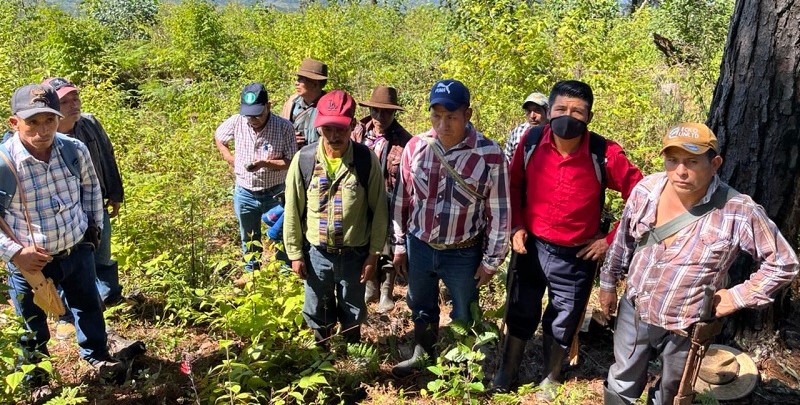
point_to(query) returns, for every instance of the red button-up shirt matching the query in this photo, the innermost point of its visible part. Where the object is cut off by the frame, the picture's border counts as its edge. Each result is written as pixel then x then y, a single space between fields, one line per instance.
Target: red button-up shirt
pixel 562 192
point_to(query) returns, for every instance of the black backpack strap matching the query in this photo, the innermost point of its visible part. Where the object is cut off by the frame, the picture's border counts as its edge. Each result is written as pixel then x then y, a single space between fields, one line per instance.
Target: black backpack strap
pixel 597 148
pixel 308 159
pixel 8 184
pixel 531 139
pixel 362 158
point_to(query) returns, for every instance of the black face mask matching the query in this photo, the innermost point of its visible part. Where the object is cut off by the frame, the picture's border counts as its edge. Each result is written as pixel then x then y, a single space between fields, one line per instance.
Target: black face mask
pixel 567 127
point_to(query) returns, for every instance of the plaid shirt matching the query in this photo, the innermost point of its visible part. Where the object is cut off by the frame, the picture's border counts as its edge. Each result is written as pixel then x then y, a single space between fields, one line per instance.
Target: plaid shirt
pixel 665 283
pixel 60 204
pixel 275 141
pixel 513 140
pixel 433 207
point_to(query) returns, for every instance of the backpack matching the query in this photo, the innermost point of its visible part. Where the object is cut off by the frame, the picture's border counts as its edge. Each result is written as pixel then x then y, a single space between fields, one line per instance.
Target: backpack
pixel 8 184
pixel 362 159
pixel 597 148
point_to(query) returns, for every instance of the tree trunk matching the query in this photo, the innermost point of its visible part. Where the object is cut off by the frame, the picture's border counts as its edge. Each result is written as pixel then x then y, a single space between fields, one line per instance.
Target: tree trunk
pixel 756 116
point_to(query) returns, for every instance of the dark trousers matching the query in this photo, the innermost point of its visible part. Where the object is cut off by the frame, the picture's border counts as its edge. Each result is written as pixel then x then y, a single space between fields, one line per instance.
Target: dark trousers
pixel 75 274
pixel 568 281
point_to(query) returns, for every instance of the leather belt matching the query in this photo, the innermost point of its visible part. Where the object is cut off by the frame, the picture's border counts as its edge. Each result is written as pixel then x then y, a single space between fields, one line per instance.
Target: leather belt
pixel 340 250
pixel 63 254
pixel 458 245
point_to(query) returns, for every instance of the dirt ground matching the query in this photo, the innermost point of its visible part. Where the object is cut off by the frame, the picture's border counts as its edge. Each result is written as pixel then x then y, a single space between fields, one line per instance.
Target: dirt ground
pixel 156 378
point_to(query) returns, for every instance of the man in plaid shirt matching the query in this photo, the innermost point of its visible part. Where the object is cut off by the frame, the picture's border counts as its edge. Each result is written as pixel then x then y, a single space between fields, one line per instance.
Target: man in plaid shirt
pixel 65 213
pixel 665 281
pixel 264 145
pixel 449 224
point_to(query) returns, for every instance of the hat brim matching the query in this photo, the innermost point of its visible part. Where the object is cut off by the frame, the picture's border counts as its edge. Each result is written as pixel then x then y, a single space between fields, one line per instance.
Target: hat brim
pixel 332 121
pixel 689 147
pixel 66 90
pixel 740 387
pixel 251 109
pixel 311 75
pixel 446 103
pixel 524 105
pixel 25 114
pixel 381 105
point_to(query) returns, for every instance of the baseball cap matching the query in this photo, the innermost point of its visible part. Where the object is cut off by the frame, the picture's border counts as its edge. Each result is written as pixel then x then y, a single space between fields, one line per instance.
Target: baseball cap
pixel 450 93
pixel 692 137
pixel 253 100
pixel 335 109
pixel 536 98
pixel 33 99
pixel 61 85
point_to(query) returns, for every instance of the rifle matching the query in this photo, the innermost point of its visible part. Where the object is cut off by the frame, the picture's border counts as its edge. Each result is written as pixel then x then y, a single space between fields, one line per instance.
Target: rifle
pixel 702 334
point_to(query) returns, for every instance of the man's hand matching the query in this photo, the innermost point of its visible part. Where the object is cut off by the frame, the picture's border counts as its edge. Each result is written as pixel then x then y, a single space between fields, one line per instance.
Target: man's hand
pixel 368 270
pixel 608 303
pixel 400 264
pixel 595 250
pixel 299 268
pixel 518 241
pixel 300 139
pixel 723 303
pixel 483 275
pixel 31 258
pixel 113 208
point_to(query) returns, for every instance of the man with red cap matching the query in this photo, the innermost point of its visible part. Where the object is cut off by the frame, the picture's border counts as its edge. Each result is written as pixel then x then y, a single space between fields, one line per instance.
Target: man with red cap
pixel 336 220
pixel 87 129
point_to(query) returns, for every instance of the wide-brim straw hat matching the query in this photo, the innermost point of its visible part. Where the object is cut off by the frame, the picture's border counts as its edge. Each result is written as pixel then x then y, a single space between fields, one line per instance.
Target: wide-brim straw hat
pixel 313 69
pixel 726 373
pixel 383 97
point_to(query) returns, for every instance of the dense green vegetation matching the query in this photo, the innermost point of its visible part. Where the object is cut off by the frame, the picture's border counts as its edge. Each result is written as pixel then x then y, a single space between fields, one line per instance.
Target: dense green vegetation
pixel 161 77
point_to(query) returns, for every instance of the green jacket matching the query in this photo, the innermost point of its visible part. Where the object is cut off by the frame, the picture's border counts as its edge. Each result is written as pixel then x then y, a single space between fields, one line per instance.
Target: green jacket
pixel 355 200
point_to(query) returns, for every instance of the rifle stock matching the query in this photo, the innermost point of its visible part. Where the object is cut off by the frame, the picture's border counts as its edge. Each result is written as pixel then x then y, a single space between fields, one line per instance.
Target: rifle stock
pixel 703 332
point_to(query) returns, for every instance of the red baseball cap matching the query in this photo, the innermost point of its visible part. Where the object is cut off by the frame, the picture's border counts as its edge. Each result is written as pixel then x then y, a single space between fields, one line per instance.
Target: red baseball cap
pixel 61 85
pixel 335 109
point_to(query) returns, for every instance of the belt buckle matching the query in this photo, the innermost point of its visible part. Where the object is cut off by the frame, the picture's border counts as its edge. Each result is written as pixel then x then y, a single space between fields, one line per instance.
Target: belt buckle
pixel 438 246
pixel 333 250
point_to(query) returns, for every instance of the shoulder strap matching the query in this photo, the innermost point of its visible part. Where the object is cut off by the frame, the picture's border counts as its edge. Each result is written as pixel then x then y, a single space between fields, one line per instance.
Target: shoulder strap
pixel 532 137
pixel 8 185
pixel 457 177
pixel 597 148
pixel 69 151
pixel 363 160
pixel 308 159
pixel 721 196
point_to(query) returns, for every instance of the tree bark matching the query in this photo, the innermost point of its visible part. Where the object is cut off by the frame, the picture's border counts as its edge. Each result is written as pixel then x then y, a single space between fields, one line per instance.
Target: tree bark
pixel 755 113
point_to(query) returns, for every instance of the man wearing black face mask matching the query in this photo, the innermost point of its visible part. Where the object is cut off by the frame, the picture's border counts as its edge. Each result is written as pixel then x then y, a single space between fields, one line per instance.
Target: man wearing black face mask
pixel 556 189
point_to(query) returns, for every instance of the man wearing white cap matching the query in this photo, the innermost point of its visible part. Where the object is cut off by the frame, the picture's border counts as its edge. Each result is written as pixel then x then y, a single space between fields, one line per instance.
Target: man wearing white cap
pixel 535 107
pixel 681 230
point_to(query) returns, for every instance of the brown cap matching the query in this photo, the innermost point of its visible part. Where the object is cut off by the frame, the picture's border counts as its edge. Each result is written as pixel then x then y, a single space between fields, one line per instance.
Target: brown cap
pixel 692 137
pixel 383 97
pixel 313 69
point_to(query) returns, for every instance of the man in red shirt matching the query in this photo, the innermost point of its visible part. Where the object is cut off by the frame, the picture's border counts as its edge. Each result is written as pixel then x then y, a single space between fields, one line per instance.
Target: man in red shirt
pixel 559 224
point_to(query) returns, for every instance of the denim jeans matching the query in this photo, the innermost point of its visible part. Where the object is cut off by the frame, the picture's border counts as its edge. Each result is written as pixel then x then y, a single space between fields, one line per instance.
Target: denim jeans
pixel 106 269
pixel 249 206
pixel 455 267
pixel 74 274
pixel 333 291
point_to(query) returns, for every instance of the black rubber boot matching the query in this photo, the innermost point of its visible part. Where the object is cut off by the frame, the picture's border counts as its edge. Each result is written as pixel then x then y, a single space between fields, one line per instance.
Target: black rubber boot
pixel 387 288
pixel 553 354
pixel 353 335
pixel 322 337
pixel 508 371
pixel 425 336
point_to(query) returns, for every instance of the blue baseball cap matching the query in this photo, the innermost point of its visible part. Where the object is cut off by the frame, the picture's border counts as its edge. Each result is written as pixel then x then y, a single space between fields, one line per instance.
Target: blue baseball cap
pixel 450 93
pixel 254 99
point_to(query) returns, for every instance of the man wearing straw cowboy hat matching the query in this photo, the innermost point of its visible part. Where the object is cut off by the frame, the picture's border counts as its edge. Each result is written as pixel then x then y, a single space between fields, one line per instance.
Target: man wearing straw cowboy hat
pixel 51 224
pixel 679 234
pixel 301 108
pixel 381 132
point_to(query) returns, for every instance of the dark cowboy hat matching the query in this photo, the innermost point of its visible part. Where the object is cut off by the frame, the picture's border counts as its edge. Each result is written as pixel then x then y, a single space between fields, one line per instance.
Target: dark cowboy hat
pixel 313 69
pixel 383 97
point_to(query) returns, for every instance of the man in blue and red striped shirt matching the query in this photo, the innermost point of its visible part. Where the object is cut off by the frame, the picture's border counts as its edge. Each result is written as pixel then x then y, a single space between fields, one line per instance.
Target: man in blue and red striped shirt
pixel 449 223
pixel 556 231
